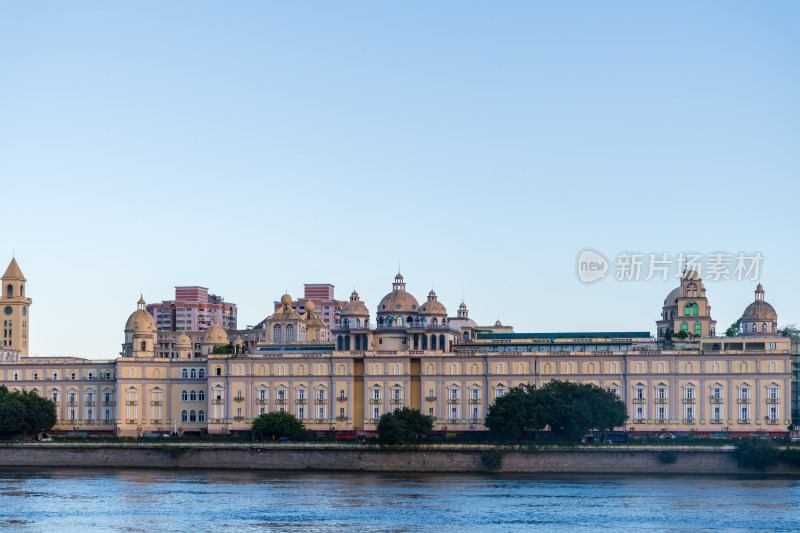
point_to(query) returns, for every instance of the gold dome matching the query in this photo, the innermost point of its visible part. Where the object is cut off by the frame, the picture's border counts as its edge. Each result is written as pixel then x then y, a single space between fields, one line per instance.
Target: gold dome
pixel 140 320
pixel 183 341
pixel 355 307
pixel 286 300
pixel 215 335
pixel 309 306
pixel 398 301
pixel 432 306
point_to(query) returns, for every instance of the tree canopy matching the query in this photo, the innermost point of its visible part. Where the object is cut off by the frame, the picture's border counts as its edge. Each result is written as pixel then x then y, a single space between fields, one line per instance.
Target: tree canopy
pixel 276 425
pixel 521 409
pixel 569 409
pixel 403 425
pixel 24 413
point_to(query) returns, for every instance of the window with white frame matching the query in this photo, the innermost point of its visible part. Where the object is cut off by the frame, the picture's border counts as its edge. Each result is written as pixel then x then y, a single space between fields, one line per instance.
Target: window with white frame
pixel 475 412
pixel 376 394
pixel 772 412
pixel 430 412
pixel 688 411
pixel 744 393
pixel 341 412
pixel 716 412
pixel 661 412
pixel 688 393
pixel 639 412
pixel 376 412
pixel 301 412
pixel 744 411
pixel 638 393
pixel 661 393
pixel 341 393
pixel 474 394
pixel 262 394
pixel 452 394
pixel 281 394
pixel 772 393
pixel 320 395
pixel 499 391
pixel 397 393
pixel 453 412
pixel 321 411
pixel 184 395
pixel 614 391
pixel 716 393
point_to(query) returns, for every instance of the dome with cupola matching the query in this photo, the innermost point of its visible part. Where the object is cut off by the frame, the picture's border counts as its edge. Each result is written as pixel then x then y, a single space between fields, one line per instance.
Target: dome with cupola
pixel 433 306
pixel 759 318
pixel 355 307
pixel 140 320
pixel 398 301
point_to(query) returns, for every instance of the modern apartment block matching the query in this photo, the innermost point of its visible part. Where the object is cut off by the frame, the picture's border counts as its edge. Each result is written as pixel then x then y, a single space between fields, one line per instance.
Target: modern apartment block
pixel 193 309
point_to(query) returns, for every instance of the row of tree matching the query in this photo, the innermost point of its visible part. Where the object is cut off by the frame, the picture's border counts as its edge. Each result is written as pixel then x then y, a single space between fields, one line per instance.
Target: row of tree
pixel 24 413
pixel 569 409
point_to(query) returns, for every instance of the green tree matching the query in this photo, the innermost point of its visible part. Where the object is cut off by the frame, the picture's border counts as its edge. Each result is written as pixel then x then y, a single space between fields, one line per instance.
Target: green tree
pixel 735 328
pixel 574 408
pixel 24 413
pixel 521 409
pixel 403 425
pixel 276 425
pixel 788 330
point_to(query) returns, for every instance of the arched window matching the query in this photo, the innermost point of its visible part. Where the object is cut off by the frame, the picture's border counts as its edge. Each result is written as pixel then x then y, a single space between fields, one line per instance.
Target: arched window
pixel 441 342
pixel 144 346
pixel 434 322
pixel 697 329
pixel 184 416
pixel 201 395
pixel 339 343
pixel 399 322
pixel 424 322
pixel 289 333
pixel 184 373
pixel 433 342
pixel 192 416
pixel 764 327
pixel 193 373
pixel 201 416
pixel 184 396
pixel 192 395
pixel 276 333
pixel 389 321
pixel 347 343
pixel 755 328
pixel 9 291
pixel 424 342
pixel 202 373
pixel 346 322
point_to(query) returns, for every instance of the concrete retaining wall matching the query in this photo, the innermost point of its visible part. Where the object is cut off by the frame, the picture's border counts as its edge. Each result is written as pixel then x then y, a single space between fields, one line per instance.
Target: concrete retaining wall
pixel 606 460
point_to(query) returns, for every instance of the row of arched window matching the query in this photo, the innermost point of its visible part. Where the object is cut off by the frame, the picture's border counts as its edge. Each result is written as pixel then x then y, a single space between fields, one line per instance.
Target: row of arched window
pixel 278 333
pixel 193 416
pixel 193 373
pixel 193 396
pixel 10 291
pixel 764 328
pixel 398 321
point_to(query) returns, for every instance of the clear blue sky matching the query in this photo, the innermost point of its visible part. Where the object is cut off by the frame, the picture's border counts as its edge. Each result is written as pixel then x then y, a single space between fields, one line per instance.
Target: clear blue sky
pixel 251 147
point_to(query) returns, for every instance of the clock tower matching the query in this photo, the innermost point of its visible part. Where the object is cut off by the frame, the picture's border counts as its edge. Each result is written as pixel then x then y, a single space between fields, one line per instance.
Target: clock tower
pixel 14 307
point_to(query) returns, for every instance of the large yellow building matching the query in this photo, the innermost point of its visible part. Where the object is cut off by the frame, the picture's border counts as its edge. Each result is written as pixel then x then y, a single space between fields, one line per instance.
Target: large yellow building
pixel 415 355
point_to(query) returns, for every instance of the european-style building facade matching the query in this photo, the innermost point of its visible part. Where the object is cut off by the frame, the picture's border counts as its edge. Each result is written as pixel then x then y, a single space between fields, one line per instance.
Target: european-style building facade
pixel 415 355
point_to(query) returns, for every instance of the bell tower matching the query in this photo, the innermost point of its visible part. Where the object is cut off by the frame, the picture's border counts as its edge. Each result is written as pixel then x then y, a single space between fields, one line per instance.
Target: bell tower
pixel 15 307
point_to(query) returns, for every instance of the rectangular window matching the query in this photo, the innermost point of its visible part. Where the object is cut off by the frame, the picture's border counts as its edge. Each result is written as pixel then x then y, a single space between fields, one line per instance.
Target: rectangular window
pixel 716 412
pixel 321 412
pixel 498 392
pixel 262 394
pixel 55 375
pixel 262 410
pixel 772 393
pixel 688 393
pixel 90 414
pixel 341 393
pixel 301 412
pixel 452 394
pixel 773 412
pixel 688 412
pixel 281 394
pixel 396 394
pixel 475 414
pixel 107 414
pixel 321 395
pixel 341 412
pixel 662 412
pixel 661 393
pixel 744 412
pixel 72 414
pixel 639 412
pixel 453 412
pixel 716 393
pixel 474 394
pixel 376 412
pixel 430 412
pixel 744 393
pixel 376 394
pixel 301 394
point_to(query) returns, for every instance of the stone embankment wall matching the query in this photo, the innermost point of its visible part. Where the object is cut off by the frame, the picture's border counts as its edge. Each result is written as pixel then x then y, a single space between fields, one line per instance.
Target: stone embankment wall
pixel 442 458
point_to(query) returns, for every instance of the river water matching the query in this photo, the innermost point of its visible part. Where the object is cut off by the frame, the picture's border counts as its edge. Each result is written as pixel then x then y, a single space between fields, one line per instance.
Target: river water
pixel 239 501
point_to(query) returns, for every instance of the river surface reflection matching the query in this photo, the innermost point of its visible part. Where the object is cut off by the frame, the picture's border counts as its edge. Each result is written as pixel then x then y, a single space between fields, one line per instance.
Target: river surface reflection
pixel 182 501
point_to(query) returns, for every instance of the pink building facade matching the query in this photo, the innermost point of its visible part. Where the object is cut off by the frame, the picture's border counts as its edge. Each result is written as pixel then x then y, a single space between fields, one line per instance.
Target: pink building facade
pixel 193 309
